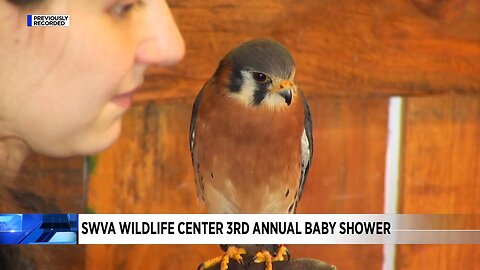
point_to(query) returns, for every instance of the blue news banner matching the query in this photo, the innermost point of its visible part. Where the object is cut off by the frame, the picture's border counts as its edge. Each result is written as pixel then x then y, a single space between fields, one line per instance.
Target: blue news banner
pixel 38 229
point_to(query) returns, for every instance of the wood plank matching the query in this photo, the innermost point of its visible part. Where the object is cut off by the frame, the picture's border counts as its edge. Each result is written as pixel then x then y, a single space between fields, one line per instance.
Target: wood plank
pixel 346 47
pixel 441 173
pixel 349 156
pixel 149 171
pixel 348 173
pixel 44 185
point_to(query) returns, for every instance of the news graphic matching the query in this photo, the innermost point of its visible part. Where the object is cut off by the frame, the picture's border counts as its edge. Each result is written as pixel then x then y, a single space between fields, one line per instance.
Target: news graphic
pixel 38 229
pixel 274 228
pixel 238 228
pixel 48 20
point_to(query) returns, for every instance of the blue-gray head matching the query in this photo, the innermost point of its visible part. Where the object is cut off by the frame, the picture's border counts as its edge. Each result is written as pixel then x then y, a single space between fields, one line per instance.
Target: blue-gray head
pixel 262 73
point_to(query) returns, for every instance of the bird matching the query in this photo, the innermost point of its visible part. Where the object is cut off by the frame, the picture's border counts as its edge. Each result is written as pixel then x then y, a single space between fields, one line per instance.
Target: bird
pixel 251 138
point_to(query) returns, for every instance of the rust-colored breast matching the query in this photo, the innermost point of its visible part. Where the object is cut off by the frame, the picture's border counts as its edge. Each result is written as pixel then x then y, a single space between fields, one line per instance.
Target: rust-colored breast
pixel 249 158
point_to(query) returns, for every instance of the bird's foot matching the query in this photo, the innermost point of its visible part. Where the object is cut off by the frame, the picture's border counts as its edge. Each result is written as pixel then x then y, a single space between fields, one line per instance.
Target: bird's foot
pixel 231 253
pixel 264 256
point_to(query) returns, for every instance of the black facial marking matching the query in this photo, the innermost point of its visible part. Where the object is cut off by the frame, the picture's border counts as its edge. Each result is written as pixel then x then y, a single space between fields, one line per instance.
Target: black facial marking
pixel 286 194
pixel 236 81
pixel 258 97
pixel 211 174
pixel 260 93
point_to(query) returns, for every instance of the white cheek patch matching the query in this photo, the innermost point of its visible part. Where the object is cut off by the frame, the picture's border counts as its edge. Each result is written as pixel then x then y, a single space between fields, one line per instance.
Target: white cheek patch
pixel 273 100
pixel 245 95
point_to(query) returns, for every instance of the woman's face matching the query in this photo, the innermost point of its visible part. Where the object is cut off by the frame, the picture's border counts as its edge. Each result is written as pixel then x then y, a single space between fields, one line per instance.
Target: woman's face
pixel 63 89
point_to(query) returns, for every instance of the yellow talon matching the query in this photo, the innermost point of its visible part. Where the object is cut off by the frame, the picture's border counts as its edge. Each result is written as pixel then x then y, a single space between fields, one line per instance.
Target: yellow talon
pixel 231 253
pixel 265 257
pixel 281 254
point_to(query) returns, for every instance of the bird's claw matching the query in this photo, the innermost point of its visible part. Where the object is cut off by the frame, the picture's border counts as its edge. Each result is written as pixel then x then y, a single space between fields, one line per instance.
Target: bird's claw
pixel 264 256
pixel 231 253
pixel 281 254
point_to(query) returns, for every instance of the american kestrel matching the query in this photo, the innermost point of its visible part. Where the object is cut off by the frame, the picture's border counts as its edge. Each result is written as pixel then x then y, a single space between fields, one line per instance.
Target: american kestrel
pixel 251 133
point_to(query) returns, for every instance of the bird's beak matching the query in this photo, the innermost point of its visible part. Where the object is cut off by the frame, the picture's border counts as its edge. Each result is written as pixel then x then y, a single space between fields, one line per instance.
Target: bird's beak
pixel 287 95
pixel 285 90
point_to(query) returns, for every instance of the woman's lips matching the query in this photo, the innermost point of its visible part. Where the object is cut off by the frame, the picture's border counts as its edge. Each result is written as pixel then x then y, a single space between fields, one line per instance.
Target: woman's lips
pixel 125 99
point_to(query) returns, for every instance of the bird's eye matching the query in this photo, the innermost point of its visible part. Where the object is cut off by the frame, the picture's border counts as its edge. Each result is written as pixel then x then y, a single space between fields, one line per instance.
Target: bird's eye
pixel 260 77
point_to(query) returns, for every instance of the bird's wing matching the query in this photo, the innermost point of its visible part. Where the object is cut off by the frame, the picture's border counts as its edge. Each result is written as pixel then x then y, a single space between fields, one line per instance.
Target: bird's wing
pixel 193 122
pixel 307 149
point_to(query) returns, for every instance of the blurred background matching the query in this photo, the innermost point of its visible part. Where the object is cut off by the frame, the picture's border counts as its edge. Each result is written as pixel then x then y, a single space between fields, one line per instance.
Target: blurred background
pixel 352 57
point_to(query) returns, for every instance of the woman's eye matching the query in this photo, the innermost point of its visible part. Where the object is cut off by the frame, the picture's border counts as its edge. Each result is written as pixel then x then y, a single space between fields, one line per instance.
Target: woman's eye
pixel 122 9
pixel 260 77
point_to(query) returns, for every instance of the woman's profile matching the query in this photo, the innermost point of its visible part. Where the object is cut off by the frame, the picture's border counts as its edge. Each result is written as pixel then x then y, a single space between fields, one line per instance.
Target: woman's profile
pixel 63 90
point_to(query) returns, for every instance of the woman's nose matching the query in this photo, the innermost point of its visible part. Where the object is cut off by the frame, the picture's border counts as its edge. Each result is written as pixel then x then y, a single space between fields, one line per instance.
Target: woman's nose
pixel 162 43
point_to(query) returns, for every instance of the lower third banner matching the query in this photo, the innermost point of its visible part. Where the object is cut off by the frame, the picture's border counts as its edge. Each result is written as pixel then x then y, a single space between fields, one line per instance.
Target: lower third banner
pixel 238 228
pixel 274 228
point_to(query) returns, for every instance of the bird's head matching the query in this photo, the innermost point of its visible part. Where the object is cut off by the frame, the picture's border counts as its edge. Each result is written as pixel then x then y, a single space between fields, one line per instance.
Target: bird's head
pixel 259 72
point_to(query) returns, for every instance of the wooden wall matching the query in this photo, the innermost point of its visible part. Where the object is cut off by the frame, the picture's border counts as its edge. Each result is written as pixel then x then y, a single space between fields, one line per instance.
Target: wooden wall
pixel 441 172
pixel 351 57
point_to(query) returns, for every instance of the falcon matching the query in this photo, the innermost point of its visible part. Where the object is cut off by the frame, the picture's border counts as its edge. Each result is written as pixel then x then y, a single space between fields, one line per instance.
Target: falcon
pixel 251 139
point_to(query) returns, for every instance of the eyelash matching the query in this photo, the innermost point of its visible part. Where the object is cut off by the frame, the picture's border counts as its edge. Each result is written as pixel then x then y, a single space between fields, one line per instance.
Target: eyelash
pixel 122 10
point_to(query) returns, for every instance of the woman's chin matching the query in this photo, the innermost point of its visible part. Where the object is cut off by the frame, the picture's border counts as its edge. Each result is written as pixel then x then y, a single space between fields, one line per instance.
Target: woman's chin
pixel 85 143
pixel 100 142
